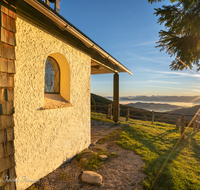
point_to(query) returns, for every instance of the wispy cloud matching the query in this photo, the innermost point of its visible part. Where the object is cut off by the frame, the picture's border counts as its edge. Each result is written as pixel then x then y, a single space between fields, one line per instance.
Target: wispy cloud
pixel 156 60
pixel 171 74
pixel 174 88
pixel 181 74
pixel 133 44
pixel 134 57
pixel 165 82
pixel 145 44
pixel 161 76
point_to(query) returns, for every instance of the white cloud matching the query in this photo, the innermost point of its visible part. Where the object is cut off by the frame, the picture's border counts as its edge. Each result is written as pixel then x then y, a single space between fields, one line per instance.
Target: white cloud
pixel 145 44
pixel 171 74
pixel 174 88
pixel 156 60
pixel 165 82
pixel 181 74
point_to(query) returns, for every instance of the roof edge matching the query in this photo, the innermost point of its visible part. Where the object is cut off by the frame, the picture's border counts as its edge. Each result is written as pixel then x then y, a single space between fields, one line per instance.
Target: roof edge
pixel 70 28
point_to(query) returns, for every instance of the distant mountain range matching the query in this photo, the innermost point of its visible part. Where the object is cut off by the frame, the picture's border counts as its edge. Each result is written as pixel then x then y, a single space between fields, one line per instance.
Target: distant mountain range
pixel 162 98
pixel 98 100
pixel 101 101
pixel 154 106
pixel 165 108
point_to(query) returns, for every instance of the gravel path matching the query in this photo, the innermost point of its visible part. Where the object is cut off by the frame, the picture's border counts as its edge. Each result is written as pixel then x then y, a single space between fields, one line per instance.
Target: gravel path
pixel 119 173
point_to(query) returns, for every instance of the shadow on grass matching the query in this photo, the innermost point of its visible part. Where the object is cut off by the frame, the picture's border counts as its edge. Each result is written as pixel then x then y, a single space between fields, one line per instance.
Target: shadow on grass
pixel 155 148
pixel 196 148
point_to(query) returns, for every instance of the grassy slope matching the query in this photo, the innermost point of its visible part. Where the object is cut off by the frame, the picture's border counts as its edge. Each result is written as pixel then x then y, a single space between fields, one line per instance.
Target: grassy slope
pixel 188 111
pixel 153 144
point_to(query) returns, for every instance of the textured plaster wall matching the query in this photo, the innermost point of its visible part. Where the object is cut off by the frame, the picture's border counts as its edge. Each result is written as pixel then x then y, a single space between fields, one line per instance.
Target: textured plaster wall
pixel 44 139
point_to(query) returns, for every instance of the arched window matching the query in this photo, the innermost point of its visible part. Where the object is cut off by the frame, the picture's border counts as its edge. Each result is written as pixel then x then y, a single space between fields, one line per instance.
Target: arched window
pixel 52 76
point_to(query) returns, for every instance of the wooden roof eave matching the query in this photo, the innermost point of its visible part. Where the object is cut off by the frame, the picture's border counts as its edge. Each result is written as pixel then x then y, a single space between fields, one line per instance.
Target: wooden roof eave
pixel 57 25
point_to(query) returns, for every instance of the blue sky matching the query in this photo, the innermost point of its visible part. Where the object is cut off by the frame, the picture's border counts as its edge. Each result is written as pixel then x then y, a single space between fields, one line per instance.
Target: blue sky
pixel 128 30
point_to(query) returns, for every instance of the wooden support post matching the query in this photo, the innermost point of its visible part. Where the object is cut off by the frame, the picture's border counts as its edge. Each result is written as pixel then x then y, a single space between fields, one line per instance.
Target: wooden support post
pixel 198 127
pixel 182 126
pixel 116 98
pixel 57 6
pixel 152 118
pixel 128 113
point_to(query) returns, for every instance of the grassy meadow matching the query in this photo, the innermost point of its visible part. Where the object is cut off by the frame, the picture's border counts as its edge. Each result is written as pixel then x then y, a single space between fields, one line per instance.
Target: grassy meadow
pixel 154 144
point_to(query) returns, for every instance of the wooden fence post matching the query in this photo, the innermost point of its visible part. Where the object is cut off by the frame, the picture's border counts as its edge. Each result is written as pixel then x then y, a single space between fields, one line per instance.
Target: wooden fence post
pixel 110 111
pixel 194 126
pixel 182 125
pixel 119 112
pixel 177 122
pixel 128 113
pixel 152 118
pixel 108 114
pixel 145 115
pixel 185 122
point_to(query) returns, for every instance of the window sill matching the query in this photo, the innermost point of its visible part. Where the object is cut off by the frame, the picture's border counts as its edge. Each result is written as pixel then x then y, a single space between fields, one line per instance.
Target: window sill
pixel 55 101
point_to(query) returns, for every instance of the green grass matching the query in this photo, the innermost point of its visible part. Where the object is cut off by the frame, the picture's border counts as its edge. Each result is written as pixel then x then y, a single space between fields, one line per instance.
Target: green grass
pixel 89 159
pixel 154 144
pixel 32 188
pixel 100 117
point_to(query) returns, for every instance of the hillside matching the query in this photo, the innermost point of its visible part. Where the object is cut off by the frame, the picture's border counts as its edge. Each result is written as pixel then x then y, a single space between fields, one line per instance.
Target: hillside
pixel 154 106
pixel 162 98
pixel 101 101
pixel 188 111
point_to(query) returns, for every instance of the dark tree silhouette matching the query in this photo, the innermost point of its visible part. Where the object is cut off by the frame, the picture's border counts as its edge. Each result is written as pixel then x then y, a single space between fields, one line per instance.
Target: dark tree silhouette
pixel 182 35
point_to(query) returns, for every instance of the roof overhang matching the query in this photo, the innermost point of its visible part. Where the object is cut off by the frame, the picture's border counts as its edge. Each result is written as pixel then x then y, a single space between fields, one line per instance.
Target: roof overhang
pixel 41 14
pixel 99 68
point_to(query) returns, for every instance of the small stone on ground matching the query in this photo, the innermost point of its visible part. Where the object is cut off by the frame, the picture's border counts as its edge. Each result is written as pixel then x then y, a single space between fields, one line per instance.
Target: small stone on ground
pixel 103 157
pixel 91 177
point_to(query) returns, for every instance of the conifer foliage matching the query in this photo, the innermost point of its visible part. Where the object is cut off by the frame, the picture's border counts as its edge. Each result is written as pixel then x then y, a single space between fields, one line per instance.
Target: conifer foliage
pixel 182 35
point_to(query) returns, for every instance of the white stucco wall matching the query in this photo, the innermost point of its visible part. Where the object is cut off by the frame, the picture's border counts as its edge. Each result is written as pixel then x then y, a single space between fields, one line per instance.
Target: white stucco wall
pixel 44 139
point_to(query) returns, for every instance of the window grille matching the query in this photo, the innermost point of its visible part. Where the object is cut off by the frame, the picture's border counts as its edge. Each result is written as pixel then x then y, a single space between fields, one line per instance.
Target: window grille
pixel 52 76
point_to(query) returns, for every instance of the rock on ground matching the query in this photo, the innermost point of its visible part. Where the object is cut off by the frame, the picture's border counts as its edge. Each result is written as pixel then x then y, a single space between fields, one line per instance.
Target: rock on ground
pixel 103 157
pixel 91 177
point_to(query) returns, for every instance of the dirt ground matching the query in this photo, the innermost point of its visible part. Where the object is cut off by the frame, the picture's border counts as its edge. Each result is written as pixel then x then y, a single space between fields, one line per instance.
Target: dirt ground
pixel 119 173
